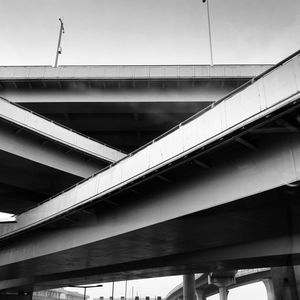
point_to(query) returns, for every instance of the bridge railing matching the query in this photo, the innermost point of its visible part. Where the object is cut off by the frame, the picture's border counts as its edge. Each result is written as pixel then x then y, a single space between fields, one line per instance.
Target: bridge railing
pixel 266 93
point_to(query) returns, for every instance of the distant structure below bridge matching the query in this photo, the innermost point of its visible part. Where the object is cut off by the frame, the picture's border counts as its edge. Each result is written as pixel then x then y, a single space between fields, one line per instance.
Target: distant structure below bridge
pixel 55 294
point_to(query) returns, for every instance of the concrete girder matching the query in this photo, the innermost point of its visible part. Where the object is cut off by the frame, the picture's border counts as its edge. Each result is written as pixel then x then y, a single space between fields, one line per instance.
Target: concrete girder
pixel 60 246
pixel 30 176
pixel 48 155
pixel 121 108
pixel 59 134
pixel 95 95
pixel 131 72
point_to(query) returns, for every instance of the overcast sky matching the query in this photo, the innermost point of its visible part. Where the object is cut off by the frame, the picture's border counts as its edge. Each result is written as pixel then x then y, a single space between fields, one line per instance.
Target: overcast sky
pixel 148 31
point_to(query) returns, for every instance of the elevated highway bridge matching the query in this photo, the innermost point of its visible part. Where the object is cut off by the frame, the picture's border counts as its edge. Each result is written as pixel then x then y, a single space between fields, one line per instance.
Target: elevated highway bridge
pixel 82 109
pixel 218 191
pixel 243 277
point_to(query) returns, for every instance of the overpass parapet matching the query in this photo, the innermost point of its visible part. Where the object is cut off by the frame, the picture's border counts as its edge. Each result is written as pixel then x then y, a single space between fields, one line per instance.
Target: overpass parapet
pixel 123 72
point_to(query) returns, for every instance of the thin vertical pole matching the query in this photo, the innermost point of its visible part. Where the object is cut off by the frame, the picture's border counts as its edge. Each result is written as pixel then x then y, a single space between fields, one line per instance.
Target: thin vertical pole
pixel 84 294
pixel 61 31
pixel 209 33
pixel 112 292
pixel 132 290
pixel 125 289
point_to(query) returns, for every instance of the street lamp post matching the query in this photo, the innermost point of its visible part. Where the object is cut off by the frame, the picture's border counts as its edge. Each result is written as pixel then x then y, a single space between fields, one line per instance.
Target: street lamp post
pixel 112 291
pixel 125 290
pixel 209 32
pixel 58 50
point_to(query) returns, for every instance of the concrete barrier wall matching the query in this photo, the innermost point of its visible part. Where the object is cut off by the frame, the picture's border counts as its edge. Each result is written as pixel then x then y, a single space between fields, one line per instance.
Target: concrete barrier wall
pixel 130 72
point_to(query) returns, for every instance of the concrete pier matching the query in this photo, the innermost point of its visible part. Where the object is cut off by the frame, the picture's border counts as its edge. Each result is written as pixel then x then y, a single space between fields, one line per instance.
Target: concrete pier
pixel 284 284
pixel 189 292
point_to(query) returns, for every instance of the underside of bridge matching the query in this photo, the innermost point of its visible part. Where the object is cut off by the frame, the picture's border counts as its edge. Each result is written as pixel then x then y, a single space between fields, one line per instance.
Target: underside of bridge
pixel 125 114
pixel 230 205
pixel 257 230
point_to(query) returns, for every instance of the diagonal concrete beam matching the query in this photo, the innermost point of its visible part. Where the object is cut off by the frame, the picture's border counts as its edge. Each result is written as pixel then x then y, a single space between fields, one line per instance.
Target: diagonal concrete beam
pixel 55 132
pixel 47 155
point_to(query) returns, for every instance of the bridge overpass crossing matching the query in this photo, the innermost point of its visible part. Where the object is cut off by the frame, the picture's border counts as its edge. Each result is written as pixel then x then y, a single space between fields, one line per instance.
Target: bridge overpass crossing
pixel 204 289
pixel 122 106
pixel 228 175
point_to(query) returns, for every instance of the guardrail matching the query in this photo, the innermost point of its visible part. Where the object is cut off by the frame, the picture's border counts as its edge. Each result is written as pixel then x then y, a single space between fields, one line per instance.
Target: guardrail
pixel 267 92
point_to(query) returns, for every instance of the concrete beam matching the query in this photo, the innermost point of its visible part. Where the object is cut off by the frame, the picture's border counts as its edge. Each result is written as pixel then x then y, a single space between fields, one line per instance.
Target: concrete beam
pixel 130 72
pixel 48 155
pixel 84 95
pixel 252 173
pixel 189 291
pixel 55 132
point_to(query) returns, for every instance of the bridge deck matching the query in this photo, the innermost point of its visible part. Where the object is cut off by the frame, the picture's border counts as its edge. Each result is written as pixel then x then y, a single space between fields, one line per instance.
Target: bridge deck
pixel 270 92
pixel 47 128
pixel 138 72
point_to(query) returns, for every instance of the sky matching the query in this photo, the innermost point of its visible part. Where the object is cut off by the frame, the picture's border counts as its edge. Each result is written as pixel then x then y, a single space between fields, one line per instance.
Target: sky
pixel 150 32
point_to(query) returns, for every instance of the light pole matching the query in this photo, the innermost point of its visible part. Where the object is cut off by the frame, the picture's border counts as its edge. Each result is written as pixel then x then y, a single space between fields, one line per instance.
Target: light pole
pixel 112 291
pixel 58 50
pixel 209 32
pixel 85 287
pixel 125 290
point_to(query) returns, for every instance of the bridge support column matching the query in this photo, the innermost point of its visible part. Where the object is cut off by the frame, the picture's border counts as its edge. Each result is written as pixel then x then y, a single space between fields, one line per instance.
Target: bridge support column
pixel 200 293
pixel 285 283
pixel 189 292
pixel 222 279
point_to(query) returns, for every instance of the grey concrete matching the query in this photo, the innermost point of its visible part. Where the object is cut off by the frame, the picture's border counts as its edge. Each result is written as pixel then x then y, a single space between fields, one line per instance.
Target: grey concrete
pixel 140 108
pixel 223 280
pixel 225 118
pixel 205 93
pixel 189 292
pixel 137 226
pixel 284 284
pixel 130 71
pixel 200 293
pixel 32 149
pixel 49 130
pixel 203 289
pixel 258 171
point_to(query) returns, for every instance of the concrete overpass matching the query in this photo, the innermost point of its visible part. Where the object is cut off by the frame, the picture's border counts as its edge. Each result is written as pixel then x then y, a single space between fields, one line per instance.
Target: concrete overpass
pixel 32 142
pixel 240 163
pixel 243 277
pixel 123 106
